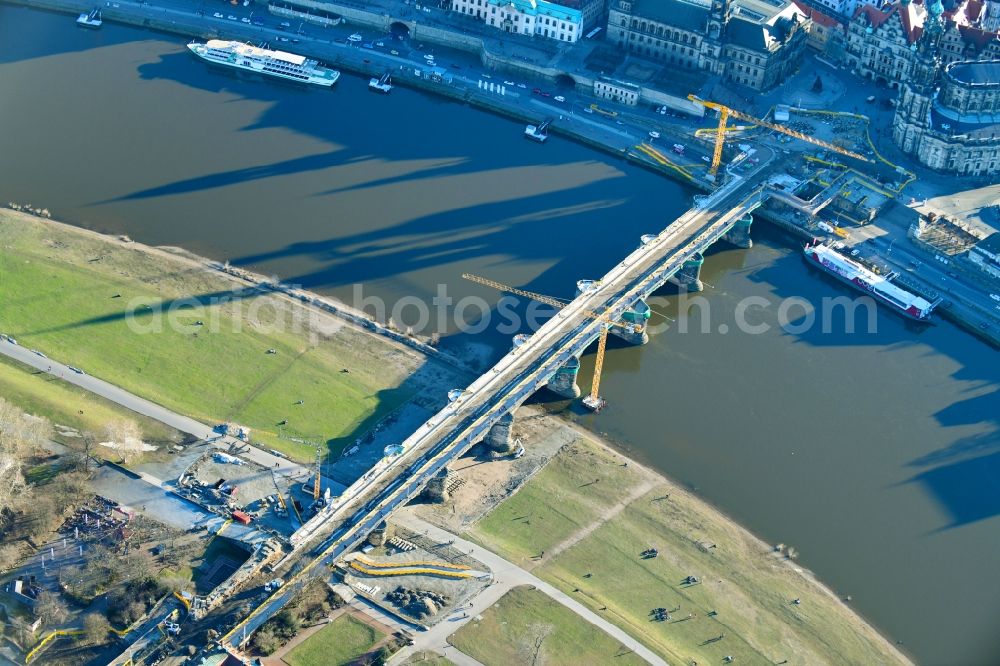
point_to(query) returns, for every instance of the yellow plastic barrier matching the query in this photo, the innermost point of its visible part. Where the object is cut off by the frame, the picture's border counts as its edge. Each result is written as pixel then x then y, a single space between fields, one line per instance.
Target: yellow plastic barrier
pixel 658 157
pixel 408 571
pixel 45 641
pixel 413 563
pixel 187 604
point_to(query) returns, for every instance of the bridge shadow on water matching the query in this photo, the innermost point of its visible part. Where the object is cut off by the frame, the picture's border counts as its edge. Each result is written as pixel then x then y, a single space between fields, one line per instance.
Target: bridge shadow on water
pixel 961 477
pixel 27 34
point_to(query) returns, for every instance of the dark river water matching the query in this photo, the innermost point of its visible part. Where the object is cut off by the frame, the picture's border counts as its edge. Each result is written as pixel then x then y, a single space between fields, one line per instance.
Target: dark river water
pixel 876 455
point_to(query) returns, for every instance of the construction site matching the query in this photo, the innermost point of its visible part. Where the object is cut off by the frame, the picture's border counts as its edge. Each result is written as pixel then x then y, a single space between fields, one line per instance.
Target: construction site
pixel 412 576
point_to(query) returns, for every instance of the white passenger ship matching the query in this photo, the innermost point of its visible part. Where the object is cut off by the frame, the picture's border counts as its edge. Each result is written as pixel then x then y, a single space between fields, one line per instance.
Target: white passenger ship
pixel 278 64
pixel 852 273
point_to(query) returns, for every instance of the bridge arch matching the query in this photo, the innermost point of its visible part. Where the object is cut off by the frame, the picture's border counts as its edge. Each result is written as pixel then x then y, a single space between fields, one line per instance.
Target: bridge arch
pixel 565 82
pixel 399 30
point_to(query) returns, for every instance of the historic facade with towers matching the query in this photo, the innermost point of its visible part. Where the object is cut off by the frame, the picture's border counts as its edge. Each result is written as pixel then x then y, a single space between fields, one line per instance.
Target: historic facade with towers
pixel 750 43
pixel 948 113
pixel 882 41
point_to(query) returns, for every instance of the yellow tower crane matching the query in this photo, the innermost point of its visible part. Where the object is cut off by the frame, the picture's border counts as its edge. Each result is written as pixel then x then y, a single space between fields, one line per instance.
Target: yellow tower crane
pixel 592 401
pixel 720 132
pixel 316 482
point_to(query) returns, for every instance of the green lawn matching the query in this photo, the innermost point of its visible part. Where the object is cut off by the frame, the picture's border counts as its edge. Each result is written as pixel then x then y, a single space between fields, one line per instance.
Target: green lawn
pixel 558 501
pixel 340 642
pixel 75 298
pixel 525 620
pixel 744 594
pixel 64 404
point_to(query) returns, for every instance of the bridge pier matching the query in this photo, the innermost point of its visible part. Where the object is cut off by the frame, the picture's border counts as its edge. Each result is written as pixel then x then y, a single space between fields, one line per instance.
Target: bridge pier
pixel 498 438
pixel 739 235
pixel 637 317
pixel 437 488
pixel 563 383
pixel 689 276
pixel 382 533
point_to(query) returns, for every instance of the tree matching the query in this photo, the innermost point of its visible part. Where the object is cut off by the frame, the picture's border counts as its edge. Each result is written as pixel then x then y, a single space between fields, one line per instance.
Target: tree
pixel 383 655
pixel 10 555
pixel 19 435
pixel 51 608
pixel 817 84
pixel 124 437
pixel 96 628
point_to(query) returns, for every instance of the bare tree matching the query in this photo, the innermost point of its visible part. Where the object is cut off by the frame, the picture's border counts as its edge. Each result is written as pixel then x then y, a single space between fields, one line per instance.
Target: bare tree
pixel 10 555
pixel 96 628
pixel 124 437
pixel 51 608
pixel 89 440
pixel 19 435
pixel 538 632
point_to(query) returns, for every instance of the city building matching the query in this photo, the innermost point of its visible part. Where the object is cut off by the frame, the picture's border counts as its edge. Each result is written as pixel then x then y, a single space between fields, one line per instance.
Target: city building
pixel 827 32
pixel 948 115
pixel 882 42
pixel 986 254
pixel 593 11
pixel 991 16
pixel 617 91
pixel 841 7
pixel 754 43
pixel 526 17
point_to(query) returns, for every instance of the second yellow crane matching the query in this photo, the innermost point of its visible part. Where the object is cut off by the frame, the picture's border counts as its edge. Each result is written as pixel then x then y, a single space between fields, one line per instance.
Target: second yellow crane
pixel 593 401
pixel 720 132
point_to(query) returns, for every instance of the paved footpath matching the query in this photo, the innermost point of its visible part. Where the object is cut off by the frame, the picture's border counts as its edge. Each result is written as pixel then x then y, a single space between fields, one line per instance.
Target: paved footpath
pixel 506 576
pixel 115 394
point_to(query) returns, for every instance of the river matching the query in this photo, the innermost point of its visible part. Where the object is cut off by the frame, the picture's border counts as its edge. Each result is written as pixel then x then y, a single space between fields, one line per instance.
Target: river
pixel 876 455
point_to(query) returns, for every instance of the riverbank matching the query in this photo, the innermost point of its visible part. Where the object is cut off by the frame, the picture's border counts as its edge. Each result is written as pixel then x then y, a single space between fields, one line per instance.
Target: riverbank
pixel 544 435
pixel 583 522
pixel 165 326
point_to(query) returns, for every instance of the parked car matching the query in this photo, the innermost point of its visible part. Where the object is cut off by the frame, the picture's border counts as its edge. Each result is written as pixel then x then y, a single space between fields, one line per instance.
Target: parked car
pixel 394 52
pixel 232 18
pixel 245 19
pixel 218 15
pixel 995 297
pixel 559 98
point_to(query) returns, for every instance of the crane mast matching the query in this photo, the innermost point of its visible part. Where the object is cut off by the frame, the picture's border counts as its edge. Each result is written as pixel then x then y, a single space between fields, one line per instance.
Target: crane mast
pixel 593 401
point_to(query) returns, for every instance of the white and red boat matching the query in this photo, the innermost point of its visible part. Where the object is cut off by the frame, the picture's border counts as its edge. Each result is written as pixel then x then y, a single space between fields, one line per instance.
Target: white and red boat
pixel 878 287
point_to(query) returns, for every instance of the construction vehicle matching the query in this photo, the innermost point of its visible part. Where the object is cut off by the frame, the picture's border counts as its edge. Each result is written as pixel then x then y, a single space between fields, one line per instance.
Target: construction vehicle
pixel 593 401
pixel 720 132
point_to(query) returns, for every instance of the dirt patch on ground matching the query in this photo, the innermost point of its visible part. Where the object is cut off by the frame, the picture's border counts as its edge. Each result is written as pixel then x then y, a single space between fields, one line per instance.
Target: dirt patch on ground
pixel 481 483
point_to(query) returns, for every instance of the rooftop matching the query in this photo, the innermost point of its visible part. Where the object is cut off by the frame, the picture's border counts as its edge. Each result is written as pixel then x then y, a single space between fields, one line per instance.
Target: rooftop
pixel 692 16
pixel 982 73
pixel 543 8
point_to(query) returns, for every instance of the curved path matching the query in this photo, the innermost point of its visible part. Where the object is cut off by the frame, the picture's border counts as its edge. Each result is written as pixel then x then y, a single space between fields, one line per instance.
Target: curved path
pixel 506 576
